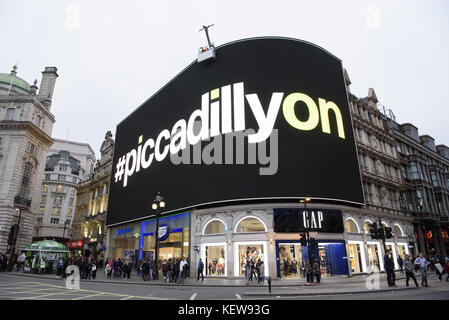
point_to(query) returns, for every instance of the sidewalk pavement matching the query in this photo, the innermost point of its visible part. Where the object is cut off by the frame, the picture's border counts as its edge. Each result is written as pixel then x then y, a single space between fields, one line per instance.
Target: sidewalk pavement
pixel 293 287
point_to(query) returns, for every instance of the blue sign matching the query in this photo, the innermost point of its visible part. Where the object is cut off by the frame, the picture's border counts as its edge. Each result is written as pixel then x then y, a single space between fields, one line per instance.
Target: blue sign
pixel 164 232
pixel 122 231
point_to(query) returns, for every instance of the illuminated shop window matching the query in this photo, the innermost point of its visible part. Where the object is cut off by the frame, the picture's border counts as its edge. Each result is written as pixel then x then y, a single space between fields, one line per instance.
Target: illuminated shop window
pixel 250 225
pixel 351 226
pixel 215 227
pixel 215 260
pixel 398 231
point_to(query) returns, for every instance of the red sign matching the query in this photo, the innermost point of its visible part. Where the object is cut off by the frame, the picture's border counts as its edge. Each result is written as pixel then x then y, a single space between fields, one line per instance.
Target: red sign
pixel 75 244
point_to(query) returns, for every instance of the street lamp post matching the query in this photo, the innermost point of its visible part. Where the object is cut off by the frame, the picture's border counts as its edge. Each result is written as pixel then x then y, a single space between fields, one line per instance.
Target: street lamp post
pixel 309 222
pixel 158 203
pixel 65 227
pixel 16 232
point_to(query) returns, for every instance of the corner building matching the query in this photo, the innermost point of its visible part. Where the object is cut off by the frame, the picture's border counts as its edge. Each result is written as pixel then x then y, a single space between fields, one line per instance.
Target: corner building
pixel 26 124
pixel 226 215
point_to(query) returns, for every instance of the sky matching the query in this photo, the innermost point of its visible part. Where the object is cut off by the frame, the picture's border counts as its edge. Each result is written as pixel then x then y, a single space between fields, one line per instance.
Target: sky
pixel 113 55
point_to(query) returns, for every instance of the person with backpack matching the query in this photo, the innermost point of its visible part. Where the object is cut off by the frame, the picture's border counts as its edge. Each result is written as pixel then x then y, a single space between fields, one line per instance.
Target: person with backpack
pixel 408 267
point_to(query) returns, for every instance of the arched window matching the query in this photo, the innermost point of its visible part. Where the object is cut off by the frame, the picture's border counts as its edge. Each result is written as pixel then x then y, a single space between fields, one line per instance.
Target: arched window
pixel 250 224
pixel 398 231
pixel 38 121
pixel 366 227
pixel 351 226
pixel 215 226
pixel 10 114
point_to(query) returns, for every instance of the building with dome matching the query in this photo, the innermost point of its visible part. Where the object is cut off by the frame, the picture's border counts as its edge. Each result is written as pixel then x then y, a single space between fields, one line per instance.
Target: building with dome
pixel 26 124
pixel 68 164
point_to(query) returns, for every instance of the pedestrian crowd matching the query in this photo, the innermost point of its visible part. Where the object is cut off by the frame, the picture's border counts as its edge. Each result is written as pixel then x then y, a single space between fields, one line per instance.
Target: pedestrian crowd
pixel 255 270
pixel 412 266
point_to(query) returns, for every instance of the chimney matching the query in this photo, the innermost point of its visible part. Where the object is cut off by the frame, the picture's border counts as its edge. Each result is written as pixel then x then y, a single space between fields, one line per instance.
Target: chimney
pixel 47 87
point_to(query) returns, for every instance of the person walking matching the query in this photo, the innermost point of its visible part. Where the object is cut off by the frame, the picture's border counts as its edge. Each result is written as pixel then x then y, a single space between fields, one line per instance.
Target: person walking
pixel 261 271
pixel 127 270
pixel 145 270
pixel 422 262
pixel 94 270
pixel 42 267
pixel 401 264
pixel 248 271
pixel 439 269
pixel 60 267
pixel 316 270
pixel 253 271
pixel 308 271
pixel 109 267
pixel 200 271
pixel 408 266
pixel 151 265
pixel 389 268
pixel 446 266
pixel 182 270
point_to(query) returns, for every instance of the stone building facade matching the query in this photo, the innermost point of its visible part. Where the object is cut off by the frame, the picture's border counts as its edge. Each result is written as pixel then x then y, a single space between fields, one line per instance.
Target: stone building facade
pixel 91 204
pixel 68 163
pixel 26 124
pixel 425 174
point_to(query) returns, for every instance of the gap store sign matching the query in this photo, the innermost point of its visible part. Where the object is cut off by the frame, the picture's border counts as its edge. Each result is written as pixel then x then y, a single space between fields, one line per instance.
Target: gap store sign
pixel 267 119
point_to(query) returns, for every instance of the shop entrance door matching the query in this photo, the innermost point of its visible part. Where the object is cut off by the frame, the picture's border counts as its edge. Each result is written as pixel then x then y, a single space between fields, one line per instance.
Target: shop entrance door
pixel 290 260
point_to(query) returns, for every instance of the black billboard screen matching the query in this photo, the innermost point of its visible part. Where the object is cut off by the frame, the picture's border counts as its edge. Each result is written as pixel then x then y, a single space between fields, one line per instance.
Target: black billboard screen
pixel 267 119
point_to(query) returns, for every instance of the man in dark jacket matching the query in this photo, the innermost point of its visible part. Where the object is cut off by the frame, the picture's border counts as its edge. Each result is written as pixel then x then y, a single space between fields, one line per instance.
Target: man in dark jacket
pixel 401 264
pixel 145 270
pixel 200 271
pixel 389 269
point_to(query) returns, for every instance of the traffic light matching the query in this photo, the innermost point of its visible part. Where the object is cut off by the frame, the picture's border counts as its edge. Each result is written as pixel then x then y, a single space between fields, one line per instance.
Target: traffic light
pixel 374 231
pixel 388 233
pixel 303 240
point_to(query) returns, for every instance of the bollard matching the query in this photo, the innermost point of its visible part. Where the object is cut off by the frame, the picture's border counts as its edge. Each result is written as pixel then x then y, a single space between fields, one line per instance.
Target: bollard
pixel 269 284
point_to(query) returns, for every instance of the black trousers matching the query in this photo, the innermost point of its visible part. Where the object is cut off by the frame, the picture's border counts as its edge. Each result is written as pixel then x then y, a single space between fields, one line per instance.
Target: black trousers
pixel 200 272
pixel 391 278
pixel 410 275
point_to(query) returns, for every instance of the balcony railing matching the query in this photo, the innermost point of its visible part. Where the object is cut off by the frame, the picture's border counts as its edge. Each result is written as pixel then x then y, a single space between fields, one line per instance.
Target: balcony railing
pixel 22 202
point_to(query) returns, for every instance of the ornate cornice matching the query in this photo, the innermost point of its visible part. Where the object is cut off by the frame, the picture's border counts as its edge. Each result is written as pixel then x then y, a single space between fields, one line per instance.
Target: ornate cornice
pixel 27 126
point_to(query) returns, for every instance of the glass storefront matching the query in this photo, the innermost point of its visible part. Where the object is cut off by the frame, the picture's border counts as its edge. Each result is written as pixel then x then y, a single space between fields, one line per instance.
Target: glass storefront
pixel 124 242
pixel 173 237
pixel 291 257
pixel 290 260
pixel 402 250
pixel 250 251
pixel 355 257
pixel 374 256
pixel 214 259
